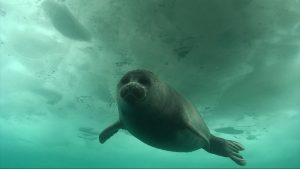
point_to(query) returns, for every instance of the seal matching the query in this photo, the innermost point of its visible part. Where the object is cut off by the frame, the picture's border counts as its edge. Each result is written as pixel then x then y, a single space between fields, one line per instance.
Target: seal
pixel 159 116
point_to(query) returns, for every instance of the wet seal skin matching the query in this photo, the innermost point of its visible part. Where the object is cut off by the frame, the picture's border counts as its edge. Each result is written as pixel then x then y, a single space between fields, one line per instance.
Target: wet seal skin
pixel 159 116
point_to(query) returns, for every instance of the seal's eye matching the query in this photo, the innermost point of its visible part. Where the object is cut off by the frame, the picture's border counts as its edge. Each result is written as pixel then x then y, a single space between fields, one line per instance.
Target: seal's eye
pixel 144 81
pixel 125 80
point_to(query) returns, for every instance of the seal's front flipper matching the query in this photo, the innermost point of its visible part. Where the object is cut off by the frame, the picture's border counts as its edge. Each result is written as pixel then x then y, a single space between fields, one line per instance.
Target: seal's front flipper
pixel 109 131
pixel 226 148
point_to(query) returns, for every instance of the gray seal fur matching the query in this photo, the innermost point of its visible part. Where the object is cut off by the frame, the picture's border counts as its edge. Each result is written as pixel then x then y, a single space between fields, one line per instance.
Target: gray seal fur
pixel 159 116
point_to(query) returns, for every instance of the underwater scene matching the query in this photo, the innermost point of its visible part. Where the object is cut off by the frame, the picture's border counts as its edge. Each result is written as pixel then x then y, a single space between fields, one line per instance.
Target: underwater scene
pixel 149 83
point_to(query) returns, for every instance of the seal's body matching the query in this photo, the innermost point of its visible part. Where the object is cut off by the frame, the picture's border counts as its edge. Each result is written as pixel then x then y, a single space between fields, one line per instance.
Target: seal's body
pixel 159 116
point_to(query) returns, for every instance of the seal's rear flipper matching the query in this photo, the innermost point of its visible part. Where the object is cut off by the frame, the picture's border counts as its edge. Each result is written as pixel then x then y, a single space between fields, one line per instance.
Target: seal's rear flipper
pixel 109 131
pixel 226 148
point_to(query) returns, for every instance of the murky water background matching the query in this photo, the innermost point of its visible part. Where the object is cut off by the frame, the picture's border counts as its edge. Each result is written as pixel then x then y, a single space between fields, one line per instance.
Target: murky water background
pixel 238 61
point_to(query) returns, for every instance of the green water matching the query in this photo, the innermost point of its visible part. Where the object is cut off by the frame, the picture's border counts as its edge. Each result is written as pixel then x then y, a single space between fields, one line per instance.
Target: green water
pixel 238 61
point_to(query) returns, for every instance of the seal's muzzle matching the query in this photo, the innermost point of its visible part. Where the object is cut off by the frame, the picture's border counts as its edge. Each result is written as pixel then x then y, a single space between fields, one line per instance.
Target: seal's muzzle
pixel 133 92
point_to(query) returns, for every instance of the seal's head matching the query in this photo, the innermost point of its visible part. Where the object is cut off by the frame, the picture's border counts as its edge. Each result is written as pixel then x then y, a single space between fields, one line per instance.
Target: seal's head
pixel 134 86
